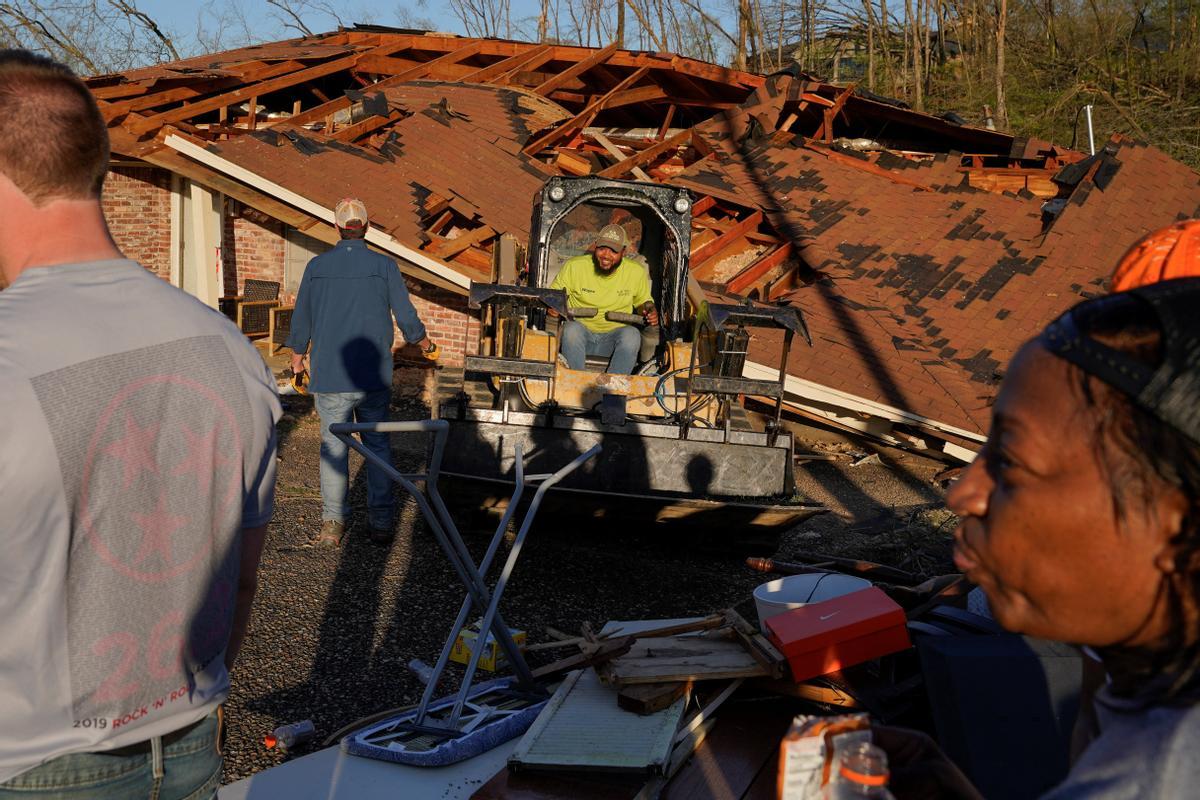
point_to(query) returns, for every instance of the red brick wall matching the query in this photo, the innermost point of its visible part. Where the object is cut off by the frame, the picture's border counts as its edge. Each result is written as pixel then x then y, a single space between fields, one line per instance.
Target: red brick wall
pixel 137 205
pixel 447 320
pixel 252 246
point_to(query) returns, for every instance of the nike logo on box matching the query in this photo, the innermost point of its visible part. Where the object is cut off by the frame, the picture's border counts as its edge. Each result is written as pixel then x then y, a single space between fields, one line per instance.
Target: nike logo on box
pixel 827 616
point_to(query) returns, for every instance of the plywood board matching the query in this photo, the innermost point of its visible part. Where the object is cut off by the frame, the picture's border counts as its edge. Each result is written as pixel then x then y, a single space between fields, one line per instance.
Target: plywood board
pixel 582 728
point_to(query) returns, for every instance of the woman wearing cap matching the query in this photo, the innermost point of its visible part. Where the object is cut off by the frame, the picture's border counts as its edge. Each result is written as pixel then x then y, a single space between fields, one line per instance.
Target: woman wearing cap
pixel 1080 519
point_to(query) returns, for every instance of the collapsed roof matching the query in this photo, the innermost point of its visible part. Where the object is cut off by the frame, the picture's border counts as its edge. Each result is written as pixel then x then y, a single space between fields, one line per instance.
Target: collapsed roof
pixel 923 251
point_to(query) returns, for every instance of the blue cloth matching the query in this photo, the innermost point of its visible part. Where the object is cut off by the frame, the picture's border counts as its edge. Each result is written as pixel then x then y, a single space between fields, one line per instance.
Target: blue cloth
pixel 191 769
pixel 343 308
pixel 335 465
pixel 622 344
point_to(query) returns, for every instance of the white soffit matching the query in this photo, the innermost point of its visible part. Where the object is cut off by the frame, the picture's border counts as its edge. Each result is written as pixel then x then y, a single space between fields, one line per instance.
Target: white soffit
pixel 267 186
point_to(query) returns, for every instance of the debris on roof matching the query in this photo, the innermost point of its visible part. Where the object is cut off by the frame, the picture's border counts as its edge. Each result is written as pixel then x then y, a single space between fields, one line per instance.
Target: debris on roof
pixel 923 251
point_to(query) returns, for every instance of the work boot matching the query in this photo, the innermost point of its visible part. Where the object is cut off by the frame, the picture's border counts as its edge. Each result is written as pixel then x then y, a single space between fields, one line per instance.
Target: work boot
pixel 330 535
pixel 381 536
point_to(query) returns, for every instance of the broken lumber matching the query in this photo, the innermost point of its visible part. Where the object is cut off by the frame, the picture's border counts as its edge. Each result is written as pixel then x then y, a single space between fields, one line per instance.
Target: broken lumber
pixel 621 158
pixel 682 658
pixel 759 647
pixel 649 698
pixel 589 657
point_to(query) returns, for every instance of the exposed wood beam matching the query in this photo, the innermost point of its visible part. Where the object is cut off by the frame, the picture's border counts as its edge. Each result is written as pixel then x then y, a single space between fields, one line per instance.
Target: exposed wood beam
pixel 580 67
pixel 581 120
pixel 703 204
pixel 449 248
pixel 510 64
pixel 144 125
pixel 756 271
pixel 689 86
pixel 421 70
pixel 197 89
pixel 328 107
pixel 865 166
pixel 711 72
pixel 706 251
pixel 371 124
pixel 572 162
pixel 666 123
pixel 606 76
pixel 645 156
pixel 715 106
pixel 386 65
pixel 390 65
pixel 561 96
pixel 603 141
pixel 642 94
pixel 528 74
pixel 825 132
pixel 119 91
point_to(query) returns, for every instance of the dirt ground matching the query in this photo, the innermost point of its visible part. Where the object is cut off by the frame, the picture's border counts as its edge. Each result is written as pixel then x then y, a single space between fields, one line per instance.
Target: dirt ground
pixel 332 631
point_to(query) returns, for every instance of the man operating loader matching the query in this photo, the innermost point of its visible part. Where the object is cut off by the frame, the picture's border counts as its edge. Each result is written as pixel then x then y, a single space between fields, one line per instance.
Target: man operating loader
pixel 607 280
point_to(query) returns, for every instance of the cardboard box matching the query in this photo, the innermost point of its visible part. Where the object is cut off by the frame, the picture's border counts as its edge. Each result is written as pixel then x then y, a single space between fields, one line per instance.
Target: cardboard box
pixel 492 657
pixel 828 636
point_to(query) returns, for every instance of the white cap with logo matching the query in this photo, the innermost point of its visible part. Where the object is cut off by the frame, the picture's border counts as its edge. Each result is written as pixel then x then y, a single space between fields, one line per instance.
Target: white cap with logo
pixel 350 213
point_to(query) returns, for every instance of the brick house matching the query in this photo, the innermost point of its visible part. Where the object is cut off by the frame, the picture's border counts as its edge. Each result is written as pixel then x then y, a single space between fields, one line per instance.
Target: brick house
pixel 922 252
pixel 145 208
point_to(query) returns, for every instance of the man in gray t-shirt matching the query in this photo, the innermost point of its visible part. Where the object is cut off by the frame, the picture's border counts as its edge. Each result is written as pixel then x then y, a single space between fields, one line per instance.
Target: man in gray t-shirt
pixel 137 466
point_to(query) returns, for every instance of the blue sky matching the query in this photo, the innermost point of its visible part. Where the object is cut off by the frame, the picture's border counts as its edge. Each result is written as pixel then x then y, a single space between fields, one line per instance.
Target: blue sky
pixel 195 24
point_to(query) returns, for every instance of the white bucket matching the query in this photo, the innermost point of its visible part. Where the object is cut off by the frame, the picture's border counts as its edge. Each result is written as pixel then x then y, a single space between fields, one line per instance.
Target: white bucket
pixel 795 591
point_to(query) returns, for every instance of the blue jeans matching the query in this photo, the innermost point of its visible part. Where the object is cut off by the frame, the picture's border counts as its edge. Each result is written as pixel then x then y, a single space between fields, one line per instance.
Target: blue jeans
pixel 335 455
pixel 621 344
pixel 188 769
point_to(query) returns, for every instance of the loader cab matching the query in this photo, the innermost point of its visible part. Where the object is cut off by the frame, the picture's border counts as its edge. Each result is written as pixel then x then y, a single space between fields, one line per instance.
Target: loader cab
pixel 568 213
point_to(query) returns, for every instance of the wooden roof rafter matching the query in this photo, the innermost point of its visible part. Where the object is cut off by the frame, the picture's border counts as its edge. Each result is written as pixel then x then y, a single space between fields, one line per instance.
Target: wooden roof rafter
pixel 189 110
pixel 645 157
pixel 370 60
pixel 497 71
pixel 584 117
pixel 580 67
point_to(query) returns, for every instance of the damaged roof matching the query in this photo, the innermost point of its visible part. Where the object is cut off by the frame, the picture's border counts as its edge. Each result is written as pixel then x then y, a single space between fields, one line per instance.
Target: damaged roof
pixel 922 250
pixel 922 286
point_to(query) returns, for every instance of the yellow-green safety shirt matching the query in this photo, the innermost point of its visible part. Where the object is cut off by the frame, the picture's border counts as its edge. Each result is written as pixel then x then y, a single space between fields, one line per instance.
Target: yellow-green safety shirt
pixel 627 287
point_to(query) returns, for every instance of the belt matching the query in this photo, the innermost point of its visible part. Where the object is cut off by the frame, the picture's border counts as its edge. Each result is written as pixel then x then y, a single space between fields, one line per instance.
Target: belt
pixel 143 748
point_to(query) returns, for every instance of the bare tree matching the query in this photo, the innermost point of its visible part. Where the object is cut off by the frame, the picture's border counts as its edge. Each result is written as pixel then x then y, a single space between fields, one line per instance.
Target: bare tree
pixel 95 36
pixel 1001 26
pixel 483 17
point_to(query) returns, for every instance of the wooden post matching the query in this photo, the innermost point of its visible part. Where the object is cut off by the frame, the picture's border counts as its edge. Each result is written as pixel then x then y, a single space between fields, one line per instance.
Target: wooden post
pixel 204 255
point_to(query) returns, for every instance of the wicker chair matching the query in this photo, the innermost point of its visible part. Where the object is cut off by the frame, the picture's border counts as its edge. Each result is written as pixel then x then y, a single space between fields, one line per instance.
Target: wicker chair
pixel 279 327
pixel 251 309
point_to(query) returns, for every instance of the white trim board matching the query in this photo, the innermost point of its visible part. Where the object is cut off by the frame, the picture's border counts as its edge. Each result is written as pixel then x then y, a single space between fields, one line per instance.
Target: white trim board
pixel 374 236
pixel 807 390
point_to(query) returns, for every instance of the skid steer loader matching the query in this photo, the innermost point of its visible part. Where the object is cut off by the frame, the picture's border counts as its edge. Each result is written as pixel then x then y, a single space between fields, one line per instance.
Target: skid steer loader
pixel 676 440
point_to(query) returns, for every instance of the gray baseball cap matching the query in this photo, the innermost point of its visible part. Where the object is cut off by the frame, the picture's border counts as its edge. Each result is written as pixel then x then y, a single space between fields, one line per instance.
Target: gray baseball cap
pixel 612 237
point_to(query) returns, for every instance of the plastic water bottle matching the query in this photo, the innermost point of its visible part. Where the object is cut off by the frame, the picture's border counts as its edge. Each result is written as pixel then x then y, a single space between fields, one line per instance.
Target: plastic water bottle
pixel 862 773
pixel 286 737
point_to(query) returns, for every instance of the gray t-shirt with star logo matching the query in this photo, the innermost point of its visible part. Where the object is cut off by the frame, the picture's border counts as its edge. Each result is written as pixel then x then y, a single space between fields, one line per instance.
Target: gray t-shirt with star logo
pixel 138 440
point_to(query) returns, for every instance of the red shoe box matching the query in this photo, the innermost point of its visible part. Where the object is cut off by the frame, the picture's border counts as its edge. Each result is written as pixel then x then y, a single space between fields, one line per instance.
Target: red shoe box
pixel 824 637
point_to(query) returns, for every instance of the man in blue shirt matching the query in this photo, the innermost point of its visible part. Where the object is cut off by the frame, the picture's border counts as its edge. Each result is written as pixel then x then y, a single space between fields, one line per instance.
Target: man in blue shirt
pixel 345 306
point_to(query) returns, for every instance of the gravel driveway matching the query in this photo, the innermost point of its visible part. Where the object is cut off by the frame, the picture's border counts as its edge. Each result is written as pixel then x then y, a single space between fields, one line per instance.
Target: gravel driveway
pixel 332 631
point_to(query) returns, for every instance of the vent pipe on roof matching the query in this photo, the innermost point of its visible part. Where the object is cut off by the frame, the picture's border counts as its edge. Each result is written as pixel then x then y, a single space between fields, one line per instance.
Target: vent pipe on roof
pixel 1091 133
